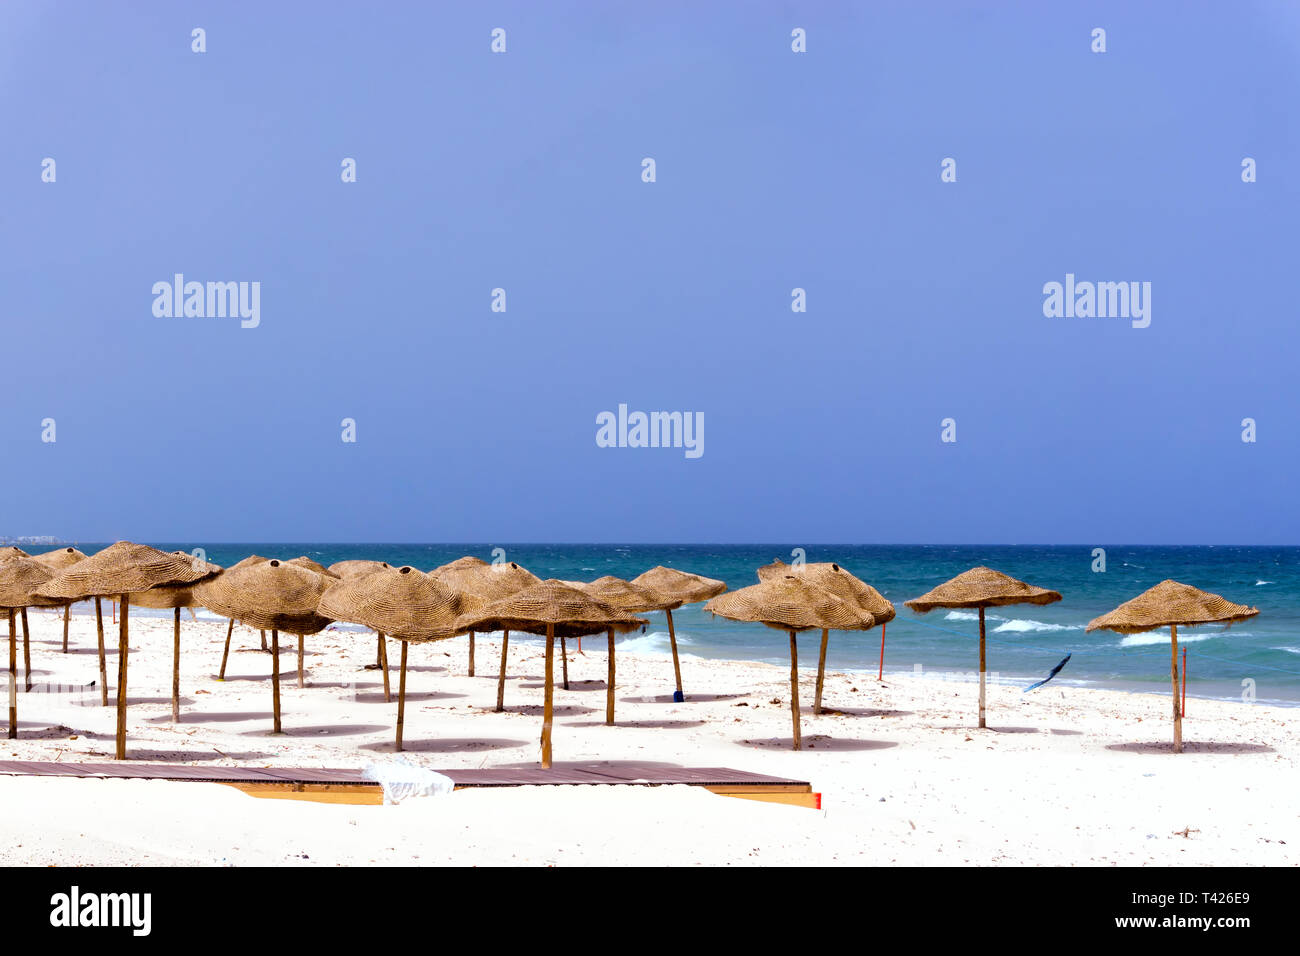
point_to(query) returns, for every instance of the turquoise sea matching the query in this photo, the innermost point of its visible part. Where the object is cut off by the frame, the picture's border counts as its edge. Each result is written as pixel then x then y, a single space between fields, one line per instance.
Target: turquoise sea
pixel 1261 655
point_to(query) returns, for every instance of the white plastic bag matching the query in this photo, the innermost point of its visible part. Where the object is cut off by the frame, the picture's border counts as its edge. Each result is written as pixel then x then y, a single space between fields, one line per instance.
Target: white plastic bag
pixel 402 780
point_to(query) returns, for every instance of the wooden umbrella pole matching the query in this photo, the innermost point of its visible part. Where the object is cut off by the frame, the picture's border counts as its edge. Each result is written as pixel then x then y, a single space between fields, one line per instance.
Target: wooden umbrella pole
pixel 13 676
pixel 275 678
pixel 672 639
pixel 230 629
pixel 881 674
pixel 471 653
pixel 501 680
pixel 821 672
pixel 794 690
pixel 379 650
pixel 548 709
pixel 401 696
pixel 301 650
pixel 1178 717
pixel 609 693
pixel 1183 708
pixel 67 614
pixel 564 658
pixel 122 653
pixel 176 666
pixel 383 665
pixel 103 665
pixel 982 724
pixel 27 652
pixel 263 633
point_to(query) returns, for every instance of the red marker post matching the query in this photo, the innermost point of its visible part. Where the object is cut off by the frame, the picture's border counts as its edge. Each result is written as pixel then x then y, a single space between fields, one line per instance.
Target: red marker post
pixel 881 675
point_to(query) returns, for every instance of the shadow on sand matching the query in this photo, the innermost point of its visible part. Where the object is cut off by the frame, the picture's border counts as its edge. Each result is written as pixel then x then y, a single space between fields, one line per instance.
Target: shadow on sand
pixel 1191 747
pixel 690 698
pixel 320 730
pixel 819 742
pixel 858 712
pixel 446 745
pixel 644 724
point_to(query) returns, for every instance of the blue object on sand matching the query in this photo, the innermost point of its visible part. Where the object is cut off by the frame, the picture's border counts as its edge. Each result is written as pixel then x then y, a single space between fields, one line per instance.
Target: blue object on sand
pixel 678 697
pixel 1055 670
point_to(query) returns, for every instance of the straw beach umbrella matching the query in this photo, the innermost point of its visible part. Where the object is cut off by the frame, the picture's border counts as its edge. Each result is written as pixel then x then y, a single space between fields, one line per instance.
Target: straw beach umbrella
pixel 306 562
pixel 20 576
pixel 550 608
pixel 458 574
pixel 844 586
pixel 57 560
pixel 173 597
pixel 274 595
pixel 351 568
pixel 674 589
pixel 302 561
pixel 404 604
pixel 1169 604
pixel 625 596
pixel 981 588
pixel 230 625
pixel 790 603
pixel 488 582
pixel 120 570
pixel 346 570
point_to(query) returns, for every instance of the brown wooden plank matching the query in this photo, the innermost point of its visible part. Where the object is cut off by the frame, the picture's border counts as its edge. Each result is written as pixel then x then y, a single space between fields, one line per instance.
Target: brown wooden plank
pixel 482 777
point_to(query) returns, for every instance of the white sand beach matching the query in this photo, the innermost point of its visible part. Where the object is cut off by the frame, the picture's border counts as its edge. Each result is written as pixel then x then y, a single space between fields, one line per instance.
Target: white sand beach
pixel 1063 776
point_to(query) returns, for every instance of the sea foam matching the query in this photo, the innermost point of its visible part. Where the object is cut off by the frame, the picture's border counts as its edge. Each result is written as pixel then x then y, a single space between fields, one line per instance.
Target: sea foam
pixel 1019 626
pixel 1161 637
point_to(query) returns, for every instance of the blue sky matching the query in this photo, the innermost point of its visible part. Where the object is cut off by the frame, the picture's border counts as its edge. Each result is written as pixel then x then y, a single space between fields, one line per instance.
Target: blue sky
pixel 775 170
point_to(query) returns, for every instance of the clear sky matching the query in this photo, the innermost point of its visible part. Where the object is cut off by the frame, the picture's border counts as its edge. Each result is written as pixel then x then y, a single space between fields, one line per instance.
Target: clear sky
pixel 775 170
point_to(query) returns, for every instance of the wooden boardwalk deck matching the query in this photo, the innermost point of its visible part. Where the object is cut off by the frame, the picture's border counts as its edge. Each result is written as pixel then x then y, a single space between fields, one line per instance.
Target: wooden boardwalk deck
pixel 346 785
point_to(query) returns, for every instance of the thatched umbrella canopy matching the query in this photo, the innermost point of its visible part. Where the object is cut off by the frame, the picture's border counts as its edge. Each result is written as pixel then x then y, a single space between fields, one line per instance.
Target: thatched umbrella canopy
pixel 15 552
pixel 981 588
pixel 351 568
pixel 625 596
pixel 674 589
pixel 121 570
pixel 173 597
pixel 1169 604
pixel 275 595
pixel 466 563
pixel 20 577
pixel 54 560
pixel 488 582
pixel 402 603
pixel 303 561
pixel 846 587
pixel 59 558
pixel 792 604
pixel 550 608
pixel 230 624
